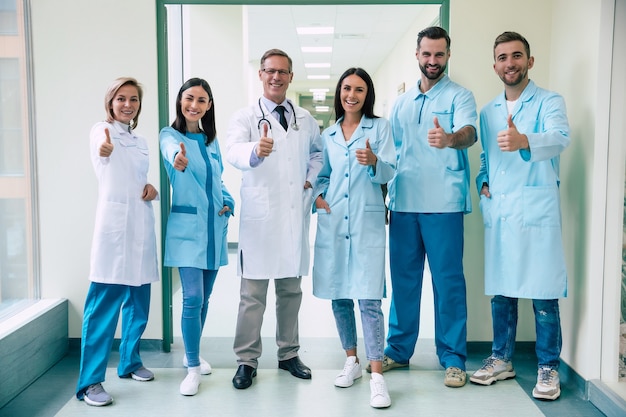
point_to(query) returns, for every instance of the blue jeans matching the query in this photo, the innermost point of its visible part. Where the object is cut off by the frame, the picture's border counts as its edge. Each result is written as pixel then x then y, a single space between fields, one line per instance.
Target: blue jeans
pixel 373 326
pixel 547 326
pixel 412 238
pixel 197 287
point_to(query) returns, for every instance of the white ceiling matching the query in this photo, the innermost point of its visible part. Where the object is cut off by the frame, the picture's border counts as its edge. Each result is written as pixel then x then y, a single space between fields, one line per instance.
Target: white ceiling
pixel 364 35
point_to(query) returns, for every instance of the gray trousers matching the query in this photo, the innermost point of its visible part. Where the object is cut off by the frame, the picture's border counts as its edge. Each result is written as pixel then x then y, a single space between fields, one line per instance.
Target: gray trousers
pixel 253 295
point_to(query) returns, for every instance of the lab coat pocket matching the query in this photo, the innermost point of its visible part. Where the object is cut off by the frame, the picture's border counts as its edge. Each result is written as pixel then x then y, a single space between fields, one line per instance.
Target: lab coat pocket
pixel 116 215
pixel 541 206
pixel 182 223
pixel 485 209
pixel 255 203
pixel 374 225
pixel 324 236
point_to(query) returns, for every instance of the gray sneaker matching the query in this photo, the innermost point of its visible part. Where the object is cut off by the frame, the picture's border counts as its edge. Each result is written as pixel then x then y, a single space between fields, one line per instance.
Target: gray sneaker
pixel 388 365
pixel 96 395
pixel 548 384
pixel 142 374
pixel 493 370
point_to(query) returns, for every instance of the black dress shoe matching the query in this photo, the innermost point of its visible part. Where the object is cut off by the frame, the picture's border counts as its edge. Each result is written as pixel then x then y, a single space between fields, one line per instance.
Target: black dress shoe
pixel 243 376
pixel 296 367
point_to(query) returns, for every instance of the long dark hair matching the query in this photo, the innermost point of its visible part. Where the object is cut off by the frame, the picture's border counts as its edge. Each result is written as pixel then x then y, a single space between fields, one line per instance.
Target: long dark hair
pixel 207 123
pixel 368 106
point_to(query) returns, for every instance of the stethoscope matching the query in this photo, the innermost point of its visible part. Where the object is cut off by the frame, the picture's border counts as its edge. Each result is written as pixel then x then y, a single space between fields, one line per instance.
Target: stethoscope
pixel 264 120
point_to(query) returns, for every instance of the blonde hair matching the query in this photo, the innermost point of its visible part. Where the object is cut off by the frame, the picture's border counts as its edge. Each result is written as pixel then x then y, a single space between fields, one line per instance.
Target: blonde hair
pixel 112 92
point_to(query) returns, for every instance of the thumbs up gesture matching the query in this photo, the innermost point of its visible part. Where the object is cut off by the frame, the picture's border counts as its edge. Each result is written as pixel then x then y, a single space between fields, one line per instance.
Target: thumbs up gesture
pixel 366 156
pixel 180 160
pixel 437 137
pixel 266 144
pixel 106 149
pixel 510 139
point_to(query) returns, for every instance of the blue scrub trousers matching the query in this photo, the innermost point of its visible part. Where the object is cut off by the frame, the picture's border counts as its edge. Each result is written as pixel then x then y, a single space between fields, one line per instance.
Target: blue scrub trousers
pixel 102 311
pixel 438 236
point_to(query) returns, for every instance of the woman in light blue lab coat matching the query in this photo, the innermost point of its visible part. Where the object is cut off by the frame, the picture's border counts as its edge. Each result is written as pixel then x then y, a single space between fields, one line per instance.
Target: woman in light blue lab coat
pixel 523 132
pixel 195 239
pixel 349 261
pixel 123 252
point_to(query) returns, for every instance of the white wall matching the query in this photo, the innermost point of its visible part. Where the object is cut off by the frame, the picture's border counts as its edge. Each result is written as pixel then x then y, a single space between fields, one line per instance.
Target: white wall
pixel 79 47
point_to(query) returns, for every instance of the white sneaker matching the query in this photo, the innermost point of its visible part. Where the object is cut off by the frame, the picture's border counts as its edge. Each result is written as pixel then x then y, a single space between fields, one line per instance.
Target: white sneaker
pixel 205 367
pixel 351 371
pixel 379 396
pixel 548 384
pixel 493 370
pixel 190 384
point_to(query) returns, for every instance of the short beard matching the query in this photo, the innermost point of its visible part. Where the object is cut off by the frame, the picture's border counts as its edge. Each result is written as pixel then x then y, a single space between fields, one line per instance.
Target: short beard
pixel 432 76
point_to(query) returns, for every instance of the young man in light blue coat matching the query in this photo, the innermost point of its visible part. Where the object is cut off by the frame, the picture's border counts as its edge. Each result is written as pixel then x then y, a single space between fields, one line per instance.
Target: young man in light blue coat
pixel 523 132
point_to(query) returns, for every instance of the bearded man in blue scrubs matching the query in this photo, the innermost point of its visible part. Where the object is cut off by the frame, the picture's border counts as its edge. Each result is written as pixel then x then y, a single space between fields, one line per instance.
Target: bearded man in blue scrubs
pixel 432 124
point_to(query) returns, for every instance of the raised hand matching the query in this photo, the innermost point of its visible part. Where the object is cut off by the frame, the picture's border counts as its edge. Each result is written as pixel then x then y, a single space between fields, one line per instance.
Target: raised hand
pixel 180 160
pixel 366 156
pixel 266 145
pixel 106 149
pixel 510 139
pixel 437 137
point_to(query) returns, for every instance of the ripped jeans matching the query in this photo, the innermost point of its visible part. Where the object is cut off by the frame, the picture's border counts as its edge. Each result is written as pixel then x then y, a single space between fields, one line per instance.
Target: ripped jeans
pixel 547 326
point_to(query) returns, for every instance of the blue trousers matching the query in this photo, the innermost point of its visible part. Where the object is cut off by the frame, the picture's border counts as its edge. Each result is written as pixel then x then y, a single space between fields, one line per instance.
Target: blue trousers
pixel 412 238
pixel 547 327
pixel 102 311
pixel 197 287
pixel 372 321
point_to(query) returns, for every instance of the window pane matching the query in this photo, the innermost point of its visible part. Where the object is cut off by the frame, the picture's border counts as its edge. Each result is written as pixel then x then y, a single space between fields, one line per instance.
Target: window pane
pixel 13 251
pixel 8 17
pixel 11 135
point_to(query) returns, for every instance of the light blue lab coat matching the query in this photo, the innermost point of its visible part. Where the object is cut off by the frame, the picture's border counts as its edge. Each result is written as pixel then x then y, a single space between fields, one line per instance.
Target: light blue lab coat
pixel 523 246
pixel 428 179
pixel 196 234
pixel 349 257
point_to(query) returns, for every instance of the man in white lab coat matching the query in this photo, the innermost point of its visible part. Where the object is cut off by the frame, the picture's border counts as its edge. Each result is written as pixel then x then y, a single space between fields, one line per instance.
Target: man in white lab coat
pixel 277 146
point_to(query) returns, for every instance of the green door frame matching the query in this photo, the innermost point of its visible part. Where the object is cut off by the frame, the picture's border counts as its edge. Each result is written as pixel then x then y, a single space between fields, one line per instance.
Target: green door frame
pixel 163 100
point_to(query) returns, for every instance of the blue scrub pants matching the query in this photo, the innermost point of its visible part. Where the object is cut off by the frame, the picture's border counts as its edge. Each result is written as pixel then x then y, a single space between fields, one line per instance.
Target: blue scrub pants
pixel 102 311
pixel 197 287
pixel 438 236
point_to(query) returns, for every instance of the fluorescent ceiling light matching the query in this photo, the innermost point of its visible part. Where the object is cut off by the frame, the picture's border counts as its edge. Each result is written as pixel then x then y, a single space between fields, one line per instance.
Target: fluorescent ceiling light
pixel 318 77
pixel 316 30
pixel 319 90
pixel 317 49
pixel 322 108
pixel 317 65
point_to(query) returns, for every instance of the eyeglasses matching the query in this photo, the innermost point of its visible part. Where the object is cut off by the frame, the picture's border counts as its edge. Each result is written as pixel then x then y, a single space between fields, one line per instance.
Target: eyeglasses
pixel 272 71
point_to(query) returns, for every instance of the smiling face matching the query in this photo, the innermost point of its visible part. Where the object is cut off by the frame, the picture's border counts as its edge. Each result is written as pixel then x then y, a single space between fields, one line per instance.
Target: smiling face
pixel 353 92
pixel 125 104
pixel 275 85
pixel 512 63
pixel 194 103
pixel 432 56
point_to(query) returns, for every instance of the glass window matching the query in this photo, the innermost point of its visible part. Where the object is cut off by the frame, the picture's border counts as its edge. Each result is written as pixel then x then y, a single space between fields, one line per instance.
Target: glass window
pixel 18 257
pixel 8 17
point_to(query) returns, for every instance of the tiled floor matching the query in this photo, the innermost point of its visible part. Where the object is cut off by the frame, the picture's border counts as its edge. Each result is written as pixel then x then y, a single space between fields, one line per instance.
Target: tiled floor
pixel 418 391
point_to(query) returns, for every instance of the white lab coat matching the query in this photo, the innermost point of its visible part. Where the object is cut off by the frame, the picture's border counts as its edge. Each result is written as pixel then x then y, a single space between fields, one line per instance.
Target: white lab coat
pixel 275 207
pixel 123 250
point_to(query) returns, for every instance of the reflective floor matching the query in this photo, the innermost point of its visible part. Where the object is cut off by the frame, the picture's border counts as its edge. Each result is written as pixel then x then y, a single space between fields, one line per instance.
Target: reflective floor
pixel 418 390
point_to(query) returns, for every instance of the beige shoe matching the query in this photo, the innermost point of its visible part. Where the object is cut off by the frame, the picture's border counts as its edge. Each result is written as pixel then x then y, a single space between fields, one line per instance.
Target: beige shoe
pixel 388 365
pixel 455 377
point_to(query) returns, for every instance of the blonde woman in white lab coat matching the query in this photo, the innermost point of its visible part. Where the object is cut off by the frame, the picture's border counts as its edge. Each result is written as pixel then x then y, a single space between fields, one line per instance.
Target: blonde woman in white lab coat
pixel 123 253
